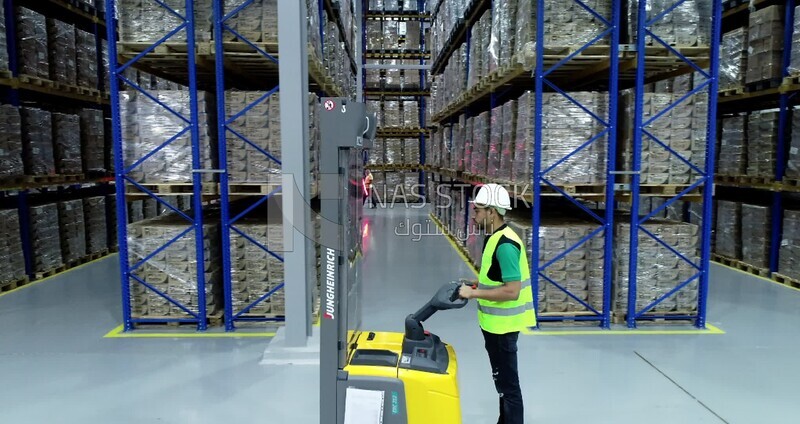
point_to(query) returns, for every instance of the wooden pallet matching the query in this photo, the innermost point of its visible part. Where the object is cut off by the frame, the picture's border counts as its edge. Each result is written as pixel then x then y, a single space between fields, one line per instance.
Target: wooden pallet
pixel 212 320
pixel 576 189
pixel 763 85
pixel 620 318
pixel 664 189
pixel 791 183
pixel 51 272
pixel 173 189
pixel 786 280
pixel 14 284
pixel 728 92
pixel 742 266
pixel 251 189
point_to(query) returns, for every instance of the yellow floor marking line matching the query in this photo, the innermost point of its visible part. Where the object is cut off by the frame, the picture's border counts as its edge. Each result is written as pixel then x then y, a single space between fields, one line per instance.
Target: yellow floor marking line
pixel 33 283
pixel 118 333
pixel 756 276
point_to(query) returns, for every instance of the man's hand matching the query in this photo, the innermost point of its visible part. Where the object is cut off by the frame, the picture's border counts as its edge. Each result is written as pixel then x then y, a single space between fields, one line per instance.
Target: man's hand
pixel 465 291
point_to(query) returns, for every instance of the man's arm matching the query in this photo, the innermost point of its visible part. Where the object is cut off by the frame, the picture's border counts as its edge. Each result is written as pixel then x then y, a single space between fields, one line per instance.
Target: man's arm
pixel 508 256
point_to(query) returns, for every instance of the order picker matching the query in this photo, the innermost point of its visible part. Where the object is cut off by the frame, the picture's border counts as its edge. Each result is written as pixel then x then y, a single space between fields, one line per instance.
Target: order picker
pixel 366 376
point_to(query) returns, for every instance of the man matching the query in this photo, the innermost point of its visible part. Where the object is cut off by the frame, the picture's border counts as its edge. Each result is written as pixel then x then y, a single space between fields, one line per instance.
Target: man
pixel 368 193
pixel 504 296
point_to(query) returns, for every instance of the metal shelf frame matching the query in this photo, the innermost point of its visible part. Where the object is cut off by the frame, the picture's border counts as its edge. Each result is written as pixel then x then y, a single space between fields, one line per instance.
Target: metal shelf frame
pixel 706 173
pixel 540 177
pixel 194 221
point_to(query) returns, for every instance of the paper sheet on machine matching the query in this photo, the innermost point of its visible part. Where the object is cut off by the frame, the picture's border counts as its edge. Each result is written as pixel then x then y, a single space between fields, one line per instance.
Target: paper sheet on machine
pixel 363 406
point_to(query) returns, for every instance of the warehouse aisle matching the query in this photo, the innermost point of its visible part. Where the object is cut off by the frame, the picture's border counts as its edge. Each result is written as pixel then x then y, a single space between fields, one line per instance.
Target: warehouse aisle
pixel 53 355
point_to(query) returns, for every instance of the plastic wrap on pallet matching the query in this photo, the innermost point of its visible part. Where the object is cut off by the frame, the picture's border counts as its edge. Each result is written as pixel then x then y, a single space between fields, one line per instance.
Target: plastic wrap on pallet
pixel 469 137
pixel 474 73
pixel 566 127
pixel 174 270
pixel 793 164
pixel 509 133
pixel 67 143
pixel 86 49
pixel 756 227
pixel 688 24
pixel 256 22
pixel 147 125
pixel 659 270
pixel 73 230
pixel 444 23
pixel 789 253
pixel 495 142
pixel 733 146
pixel 765 44
pixel 412 35
pixel 394 151
pixel 522 169
pixel 566 24
pixel 92 140
pixel 254 272
pixel 411 151
pixel 459 144
pixel 37 141
pixel 480 144
pixel 683 129
pixel 733 59
pixel 411 186
pixel 392 115
pixel 94 218
pixel 794 64
pixel 410 78
pixel 32 43
pixel 374 80
pixel 374 34
pixel 260 126
pixel 11 162
pixel 377 155
pixel 45 237
pixel 410 114
pixel 729 229
pixel 12 261
pixel 62 51
pixel 394 186
pixel 148 21
pixel 3 41
pixel 762 142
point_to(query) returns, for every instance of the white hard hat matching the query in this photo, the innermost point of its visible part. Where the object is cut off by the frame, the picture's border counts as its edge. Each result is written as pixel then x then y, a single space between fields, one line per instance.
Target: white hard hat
pixel 493 195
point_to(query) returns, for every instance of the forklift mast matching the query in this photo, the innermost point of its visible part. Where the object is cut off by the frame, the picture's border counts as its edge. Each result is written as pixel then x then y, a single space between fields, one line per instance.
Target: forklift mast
pixel 346 131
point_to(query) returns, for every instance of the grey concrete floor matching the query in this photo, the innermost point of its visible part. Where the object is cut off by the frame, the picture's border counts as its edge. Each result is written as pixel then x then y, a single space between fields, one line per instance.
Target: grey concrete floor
pixel 55 365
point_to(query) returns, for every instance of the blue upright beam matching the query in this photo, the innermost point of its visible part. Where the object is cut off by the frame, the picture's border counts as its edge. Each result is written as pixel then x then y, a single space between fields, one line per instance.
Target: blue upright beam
pixel 128 275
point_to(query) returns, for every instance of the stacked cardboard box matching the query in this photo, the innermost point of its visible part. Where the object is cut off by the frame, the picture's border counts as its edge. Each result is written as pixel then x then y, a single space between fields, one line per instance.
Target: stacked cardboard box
pixel 580 272
pixel 254 271
pixel 146 125
pixel 394 151
pixel 794 64
pixel 94 219
pixel 411 114
pixel 684 25
pixel 37 141
pixel 86 49
pixel 45 237
pixel 174 270
pixel 683 129
pixel 659 270
pixel 73 230
pixel 450 12
pixel 793 164
pixel 508 142
pixel 148 21
pixel 729 229
pixel 411 154
pixel 522 168
pixel 67 143
pixel 495 142
pixel 10 141
pixel 260 126
pixel 62 51
pixel 765 44
pixel 377 155
pixel 733 146
pixel 257 22
pixel 32 43
pixel 756 227
pixel 12 261
pixel 480 144
pixel 392 115
pixel 733 59
pixel 789 254
pixel 92 140
pixel 762 142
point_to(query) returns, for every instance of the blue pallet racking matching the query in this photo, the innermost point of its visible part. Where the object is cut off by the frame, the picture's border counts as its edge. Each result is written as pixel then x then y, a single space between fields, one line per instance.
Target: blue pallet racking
pixel 625 66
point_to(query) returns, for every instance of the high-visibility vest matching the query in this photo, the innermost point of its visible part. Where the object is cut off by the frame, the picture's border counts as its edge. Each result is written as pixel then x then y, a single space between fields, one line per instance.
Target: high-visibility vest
pixel 508 316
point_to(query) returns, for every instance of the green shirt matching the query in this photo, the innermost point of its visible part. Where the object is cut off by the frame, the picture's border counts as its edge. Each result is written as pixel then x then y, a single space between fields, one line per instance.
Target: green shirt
pixel 505 262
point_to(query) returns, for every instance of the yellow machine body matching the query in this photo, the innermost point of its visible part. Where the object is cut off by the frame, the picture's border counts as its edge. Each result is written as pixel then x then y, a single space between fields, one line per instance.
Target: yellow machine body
pixel 430 397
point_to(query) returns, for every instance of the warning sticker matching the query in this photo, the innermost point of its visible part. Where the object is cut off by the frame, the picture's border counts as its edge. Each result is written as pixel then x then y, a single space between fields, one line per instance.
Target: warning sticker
pixel 329 105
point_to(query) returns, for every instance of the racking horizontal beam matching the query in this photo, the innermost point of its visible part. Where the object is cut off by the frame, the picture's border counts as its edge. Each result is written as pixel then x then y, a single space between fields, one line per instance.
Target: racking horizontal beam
pixel 245 67
pixel 395 93
pixel 582 67
pixel 767 96
pixel 760 183
pixel 397 54
pixel 401 15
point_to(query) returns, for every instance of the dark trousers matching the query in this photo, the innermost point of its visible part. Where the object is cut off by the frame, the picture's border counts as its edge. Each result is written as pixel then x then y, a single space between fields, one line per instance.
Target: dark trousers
pixel 502 349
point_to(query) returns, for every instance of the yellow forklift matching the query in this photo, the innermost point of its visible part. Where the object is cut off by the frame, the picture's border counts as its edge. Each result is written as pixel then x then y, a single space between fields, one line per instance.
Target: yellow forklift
pixel 371 377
